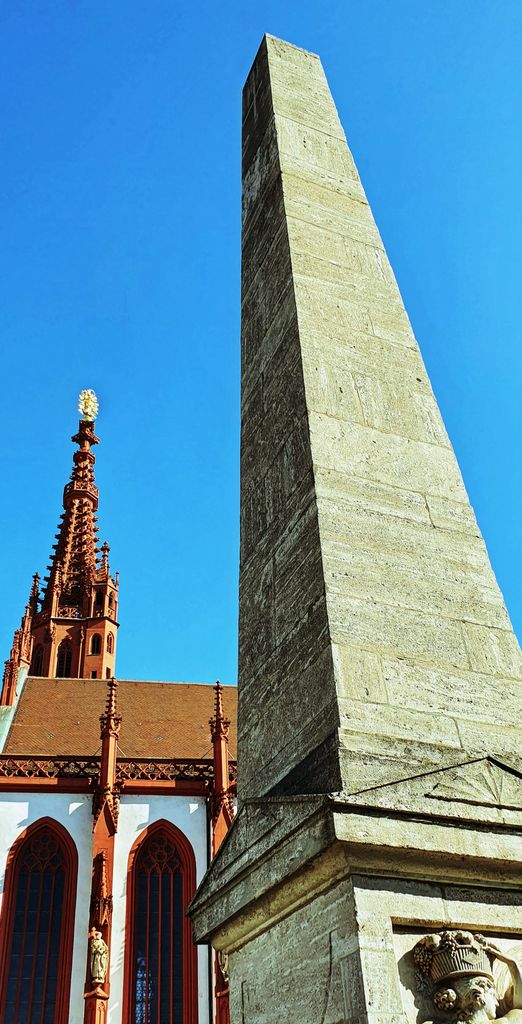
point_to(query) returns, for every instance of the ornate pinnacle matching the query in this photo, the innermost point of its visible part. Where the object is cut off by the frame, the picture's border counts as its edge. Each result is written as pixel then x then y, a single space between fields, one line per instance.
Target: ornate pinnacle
pixel 110 721
pixel 220 804
pixel 219 725
pixel 106 795
pixel 34 596
pixel 105 556
pixel 218 700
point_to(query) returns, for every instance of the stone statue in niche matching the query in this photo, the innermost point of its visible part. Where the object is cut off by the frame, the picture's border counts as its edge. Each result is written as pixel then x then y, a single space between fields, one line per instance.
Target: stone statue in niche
pixel 457 967
pixel 98 957
pixel 222 958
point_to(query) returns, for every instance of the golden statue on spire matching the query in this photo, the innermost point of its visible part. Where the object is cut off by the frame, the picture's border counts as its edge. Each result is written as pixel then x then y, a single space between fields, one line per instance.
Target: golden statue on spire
pixel 88 405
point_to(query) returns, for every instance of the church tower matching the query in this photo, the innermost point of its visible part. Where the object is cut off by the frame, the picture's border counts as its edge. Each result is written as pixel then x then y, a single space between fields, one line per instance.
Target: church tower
pixel 69 629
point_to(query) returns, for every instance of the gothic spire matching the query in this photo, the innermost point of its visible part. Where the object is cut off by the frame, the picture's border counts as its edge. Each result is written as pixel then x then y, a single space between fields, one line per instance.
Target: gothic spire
pixel 70 630
pixel 73 565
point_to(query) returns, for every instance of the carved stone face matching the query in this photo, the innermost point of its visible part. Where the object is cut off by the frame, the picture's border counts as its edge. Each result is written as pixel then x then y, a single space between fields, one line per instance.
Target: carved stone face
pixel 475 994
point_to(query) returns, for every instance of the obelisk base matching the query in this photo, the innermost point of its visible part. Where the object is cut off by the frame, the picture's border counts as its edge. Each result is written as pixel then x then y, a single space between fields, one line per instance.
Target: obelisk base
pixel 321 924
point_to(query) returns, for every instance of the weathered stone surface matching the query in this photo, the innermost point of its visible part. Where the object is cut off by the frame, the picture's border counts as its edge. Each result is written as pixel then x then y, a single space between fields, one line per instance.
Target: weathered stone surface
pixel 377 665
pixel 325 891
pixel 356 530
pixel 407 839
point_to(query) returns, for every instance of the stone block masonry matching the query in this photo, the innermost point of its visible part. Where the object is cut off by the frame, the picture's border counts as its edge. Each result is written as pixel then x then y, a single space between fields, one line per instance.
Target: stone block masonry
pixel 380 682
pixel 373 636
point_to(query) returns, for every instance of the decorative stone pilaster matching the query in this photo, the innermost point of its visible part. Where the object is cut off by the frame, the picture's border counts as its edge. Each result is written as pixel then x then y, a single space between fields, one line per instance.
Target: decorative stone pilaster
pixel 105 825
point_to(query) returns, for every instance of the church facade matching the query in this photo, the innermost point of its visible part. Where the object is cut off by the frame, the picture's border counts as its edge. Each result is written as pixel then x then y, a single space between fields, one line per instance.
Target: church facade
pixel 114 797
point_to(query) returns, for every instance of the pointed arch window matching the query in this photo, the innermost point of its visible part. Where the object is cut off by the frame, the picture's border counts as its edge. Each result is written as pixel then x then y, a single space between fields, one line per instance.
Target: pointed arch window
pixel 64 660
pixel 37 926
pixel 110 643
pixel 95 643
pixel 161 966
pixel 37 661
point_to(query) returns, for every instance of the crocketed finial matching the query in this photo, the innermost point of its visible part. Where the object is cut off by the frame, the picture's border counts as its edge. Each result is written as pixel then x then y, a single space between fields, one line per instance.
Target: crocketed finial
pixel 219 725
pixel 105 556
pixel 88 405
pixel 110 721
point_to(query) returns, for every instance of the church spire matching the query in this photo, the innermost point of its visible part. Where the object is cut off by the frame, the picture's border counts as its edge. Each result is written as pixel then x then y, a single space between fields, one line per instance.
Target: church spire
pixel 73 632
pixel 73 566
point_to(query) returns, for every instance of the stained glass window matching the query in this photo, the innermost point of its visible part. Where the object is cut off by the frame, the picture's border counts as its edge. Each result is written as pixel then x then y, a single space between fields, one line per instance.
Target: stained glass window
pixel 162 952
pixel 39 886
pixel 63 665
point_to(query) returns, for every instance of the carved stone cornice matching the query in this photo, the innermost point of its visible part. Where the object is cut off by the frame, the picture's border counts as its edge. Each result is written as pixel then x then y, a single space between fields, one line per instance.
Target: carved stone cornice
pixel 133 770
pixel 49 767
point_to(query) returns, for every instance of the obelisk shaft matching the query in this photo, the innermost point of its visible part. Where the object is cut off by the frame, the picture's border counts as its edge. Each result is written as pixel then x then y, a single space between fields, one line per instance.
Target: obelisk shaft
pixel 374 641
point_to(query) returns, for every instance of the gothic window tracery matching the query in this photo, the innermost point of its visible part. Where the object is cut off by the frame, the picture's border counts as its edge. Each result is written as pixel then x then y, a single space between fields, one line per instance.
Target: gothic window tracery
pixel 64 660
pixel 161 978
pixel 37 926
pixel 110 643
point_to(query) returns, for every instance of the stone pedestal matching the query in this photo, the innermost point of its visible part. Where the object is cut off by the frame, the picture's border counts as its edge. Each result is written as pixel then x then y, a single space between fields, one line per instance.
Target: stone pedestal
pixel 380 682
pixel 320 902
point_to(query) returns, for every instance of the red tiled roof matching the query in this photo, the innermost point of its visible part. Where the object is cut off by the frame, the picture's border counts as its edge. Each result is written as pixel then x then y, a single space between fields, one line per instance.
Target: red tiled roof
pixel 61 716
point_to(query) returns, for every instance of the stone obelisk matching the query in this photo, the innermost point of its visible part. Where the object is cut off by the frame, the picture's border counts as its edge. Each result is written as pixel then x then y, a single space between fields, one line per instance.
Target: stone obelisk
pixel 380 682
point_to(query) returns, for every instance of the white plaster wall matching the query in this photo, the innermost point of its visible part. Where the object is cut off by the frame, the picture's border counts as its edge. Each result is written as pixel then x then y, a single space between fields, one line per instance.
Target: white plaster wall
pixel 136 813
pixel 74 812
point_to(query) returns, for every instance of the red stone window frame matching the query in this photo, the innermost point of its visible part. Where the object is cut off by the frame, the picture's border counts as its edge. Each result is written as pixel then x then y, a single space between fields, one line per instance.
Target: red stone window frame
pixel 189 950
pixel 14 862
pixel 96 644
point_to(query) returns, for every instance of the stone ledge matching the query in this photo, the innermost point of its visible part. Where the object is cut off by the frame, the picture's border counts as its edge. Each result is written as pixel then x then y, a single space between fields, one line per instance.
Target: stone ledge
pixel 282 852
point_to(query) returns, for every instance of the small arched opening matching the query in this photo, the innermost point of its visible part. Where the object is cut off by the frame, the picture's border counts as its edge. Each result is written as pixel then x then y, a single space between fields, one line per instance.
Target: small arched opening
pixel 64 660
pixel 37 661
pixel 95 643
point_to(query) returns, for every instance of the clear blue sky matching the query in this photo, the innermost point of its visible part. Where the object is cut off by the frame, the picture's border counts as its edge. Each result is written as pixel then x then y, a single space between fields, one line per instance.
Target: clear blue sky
pixel 120 175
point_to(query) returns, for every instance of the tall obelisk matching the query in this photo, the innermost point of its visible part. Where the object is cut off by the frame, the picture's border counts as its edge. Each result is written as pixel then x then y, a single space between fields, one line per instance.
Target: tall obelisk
pixel 377 663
